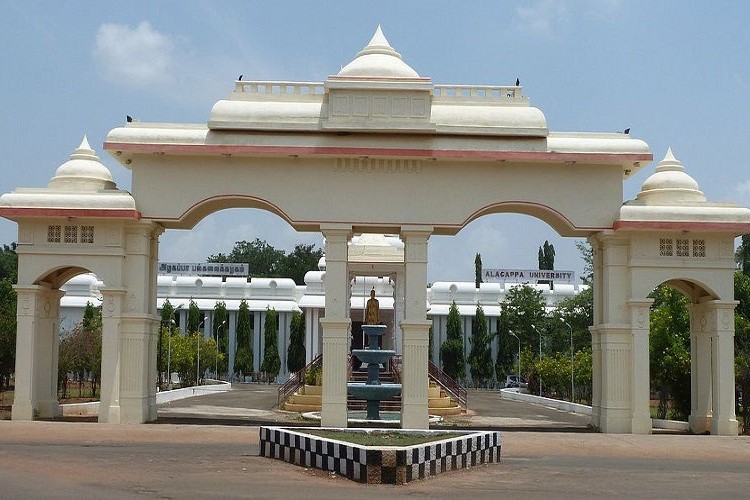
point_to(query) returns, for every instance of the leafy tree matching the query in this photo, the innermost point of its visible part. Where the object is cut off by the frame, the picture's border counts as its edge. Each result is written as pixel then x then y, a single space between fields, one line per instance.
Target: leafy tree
pixel 522 308
pixel 578 312
pixel 243 360
pixel 480 357
pixel 194 317
pixel 587 254
pixel 296 264
pixel 452 350
pixel 742 255
pixel 670 351
pixel 80 352
pixel 507 349
pixel 9 263
pixel 271 361
pixel 295 359
pixel 742 347
pixel 185 355
pixel 7 332
pixel 220 327
pixel 477 270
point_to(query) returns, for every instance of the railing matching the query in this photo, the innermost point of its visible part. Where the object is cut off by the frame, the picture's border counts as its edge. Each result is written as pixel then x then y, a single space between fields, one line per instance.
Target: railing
pixel 394 366
pixel 296 381
pixel 279 88
pixel 454 390
pixel 477 92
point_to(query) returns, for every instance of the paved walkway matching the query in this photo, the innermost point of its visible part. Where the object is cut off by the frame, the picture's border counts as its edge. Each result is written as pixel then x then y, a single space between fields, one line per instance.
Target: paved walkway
pixel 84 460
pixel 248 404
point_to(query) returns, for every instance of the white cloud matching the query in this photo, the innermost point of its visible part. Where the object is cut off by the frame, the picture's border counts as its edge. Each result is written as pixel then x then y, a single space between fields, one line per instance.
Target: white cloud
pixel 741 193
pixel 540 18
pixel 135 57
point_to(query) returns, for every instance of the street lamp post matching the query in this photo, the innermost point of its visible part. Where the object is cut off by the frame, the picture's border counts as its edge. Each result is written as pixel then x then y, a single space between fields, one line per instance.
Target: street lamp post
pixel 518 380
pixel 540 355
pixel 198 368
pixel 169 349
pixel 216 339
pixel 572 386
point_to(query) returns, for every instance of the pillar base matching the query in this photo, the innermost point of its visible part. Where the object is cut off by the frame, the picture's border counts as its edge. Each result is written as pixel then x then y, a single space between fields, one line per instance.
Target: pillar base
pixel 415 416
pixel 110 415
pixel 726 427
pixel 134 410
pixel 334 415
pixel 22 410
pixel 700 424
pixel 49 408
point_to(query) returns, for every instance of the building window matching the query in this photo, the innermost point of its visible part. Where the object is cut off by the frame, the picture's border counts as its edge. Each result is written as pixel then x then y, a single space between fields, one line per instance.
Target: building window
pixel 699 248
pixel 87 234
pixel 683 248
pixel 71 234
pixel 665 247
pixel 53 234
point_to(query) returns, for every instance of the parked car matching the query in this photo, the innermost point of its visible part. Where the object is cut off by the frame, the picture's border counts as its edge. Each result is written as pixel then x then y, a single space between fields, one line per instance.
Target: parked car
pixel 512 381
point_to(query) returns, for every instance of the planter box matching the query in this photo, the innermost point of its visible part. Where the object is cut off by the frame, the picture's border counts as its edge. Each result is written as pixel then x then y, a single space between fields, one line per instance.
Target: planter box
pixel 380 465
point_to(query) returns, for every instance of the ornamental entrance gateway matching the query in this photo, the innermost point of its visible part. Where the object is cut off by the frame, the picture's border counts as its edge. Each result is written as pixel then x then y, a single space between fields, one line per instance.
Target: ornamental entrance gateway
pixel 432 158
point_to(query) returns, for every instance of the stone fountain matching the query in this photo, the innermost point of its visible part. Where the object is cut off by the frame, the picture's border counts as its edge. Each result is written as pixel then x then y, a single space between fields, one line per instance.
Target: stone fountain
pixel 373 391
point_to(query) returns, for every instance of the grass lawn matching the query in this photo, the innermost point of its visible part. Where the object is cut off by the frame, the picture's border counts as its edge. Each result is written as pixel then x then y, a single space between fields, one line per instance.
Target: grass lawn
pixel 381 438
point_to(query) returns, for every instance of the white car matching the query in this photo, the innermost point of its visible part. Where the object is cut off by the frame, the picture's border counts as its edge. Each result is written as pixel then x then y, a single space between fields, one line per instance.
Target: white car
pixel 512 381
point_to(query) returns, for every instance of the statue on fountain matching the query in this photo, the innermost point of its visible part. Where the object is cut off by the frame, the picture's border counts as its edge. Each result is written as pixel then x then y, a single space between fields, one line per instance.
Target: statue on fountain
pixel 372 310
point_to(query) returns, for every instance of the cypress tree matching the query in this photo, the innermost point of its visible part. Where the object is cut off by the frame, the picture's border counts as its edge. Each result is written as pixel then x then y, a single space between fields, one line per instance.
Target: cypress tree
pixel 295 358
pixel 480 357
pixel 271 361
pixel 243 360
pixel 452 350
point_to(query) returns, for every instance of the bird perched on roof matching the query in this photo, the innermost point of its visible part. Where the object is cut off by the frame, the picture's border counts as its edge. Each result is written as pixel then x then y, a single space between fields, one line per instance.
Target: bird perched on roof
pixel 518 82
pixel 240 78
pixel 129 118
pixel 626 131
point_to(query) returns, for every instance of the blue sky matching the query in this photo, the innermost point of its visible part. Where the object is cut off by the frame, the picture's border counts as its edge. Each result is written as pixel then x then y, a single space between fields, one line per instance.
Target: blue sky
pixel 676 73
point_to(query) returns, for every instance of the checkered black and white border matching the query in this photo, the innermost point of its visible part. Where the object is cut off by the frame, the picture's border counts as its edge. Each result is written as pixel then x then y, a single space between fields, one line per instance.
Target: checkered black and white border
pixel 390 465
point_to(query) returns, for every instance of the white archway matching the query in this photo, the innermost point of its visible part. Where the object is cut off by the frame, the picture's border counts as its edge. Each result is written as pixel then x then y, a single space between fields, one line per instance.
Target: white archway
pixel 430 158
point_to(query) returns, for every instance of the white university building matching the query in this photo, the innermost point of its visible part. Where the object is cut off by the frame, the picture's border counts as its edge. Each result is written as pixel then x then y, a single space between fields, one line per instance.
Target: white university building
pixel 286 298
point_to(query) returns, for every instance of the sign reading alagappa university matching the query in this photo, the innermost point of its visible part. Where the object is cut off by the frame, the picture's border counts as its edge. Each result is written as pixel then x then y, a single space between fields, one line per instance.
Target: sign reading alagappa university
pixel 524 275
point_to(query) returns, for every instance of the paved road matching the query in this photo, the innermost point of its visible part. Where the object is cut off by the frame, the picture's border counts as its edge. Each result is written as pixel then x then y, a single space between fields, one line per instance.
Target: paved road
pixel 248 404
pixel 84 460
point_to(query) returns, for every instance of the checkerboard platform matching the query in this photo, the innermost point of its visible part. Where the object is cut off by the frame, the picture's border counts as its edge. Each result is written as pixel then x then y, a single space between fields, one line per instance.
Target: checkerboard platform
pixel 388 465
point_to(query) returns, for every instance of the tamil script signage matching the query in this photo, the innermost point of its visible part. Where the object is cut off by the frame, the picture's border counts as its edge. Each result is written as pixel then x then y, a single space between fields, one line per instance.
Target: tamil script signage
pixel 527 275
pixel 204 269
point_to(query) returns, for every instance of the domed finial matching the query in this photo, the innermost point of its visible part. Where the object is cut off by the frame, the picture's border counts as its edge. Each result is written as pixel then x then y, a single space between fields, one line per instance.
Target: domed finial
pixel 378 39
pixel 670 184
pixel 670 163
pixel 669 156
pixel 85 143
pixel 83 171
pixel 378 59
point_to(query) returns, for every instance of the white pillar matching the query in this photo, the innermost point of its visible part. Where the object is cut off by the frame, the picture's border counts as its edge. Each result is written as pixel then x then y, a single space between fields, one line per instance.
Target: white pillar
pixel 138 327
pixel 701 406
pixel 415 329
pixel 231 340
pixel 613 337
pixel 109 406
pixel 721 323
pixel 640 311
pixel 36 348
pixel 336 326
pixel 398 311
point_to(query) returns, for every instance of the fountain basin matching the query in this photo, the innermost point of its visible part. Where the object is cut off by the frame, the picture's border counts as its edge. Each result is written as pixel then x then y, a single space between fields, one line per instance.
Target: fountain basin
pixel 374 330
pixel 373 394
